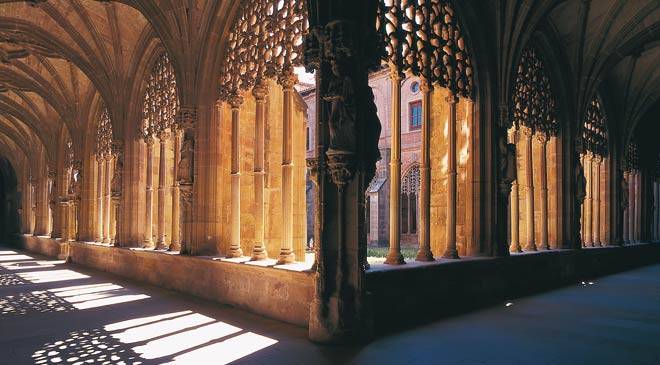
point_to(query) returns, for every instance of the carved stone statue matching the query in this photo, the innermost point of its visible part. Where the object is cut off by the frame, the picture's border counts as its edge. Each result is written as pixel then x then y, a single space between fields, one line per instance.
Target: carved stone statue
pixel 117 177
pixel 507 165
pixel 185 168
pixel 624 192
pixel 580 194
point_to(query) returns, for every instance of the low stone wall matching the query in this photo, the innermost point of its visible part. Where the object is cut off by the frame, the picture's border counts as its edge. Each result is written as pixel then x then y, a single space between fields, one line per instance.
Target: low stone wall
pixel 406 296
pixel 276 293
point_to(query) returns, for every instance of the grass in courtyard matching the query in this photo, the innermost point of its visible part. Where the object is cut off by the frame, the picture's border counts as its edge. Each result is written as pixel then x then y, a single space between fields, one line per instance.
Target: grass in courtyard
pixel 408 253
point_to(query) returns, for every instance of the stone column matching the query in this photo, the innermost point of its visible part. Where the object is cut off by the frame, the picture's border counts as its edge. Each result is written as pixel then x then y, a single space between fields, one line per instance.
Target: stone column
pixel 450 250
pixel 543 140
pixel 52 204
pixel 100 161
pixel 107 195
pixel 529 181
pixel 41 207
pixel 632 207
pixel 424 253
pixel 163 136
pixel 186 119
pixel 287 80
pixel 63 206
pixel 27 206
pixel 148 232
pixel 588 207
pixel 596 207
pixel 657 210
pixel 394 256
pixel 515 208
pixel 175 244
pixel 235 244
pixel 626 211
pixel 260 91
pixel 638 206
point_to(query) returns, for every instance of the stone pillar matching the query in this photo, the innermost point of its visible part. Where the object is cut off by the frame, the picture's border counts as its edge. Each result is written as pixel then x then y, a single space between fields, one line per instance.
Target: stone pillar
pixel 342 47
pixel 588 206
pixel 596 208
pixel 41 207
pixel 27 206
pixel 235 244
pixel 100 161
pixel 626 211
pixel 106 194
pixel 515 205
pixel 163 136
pixel 186 119
pixel 638 206
pixel 543 140
pixel 424 234
pixel 529 181
pixel 632 207
pixel 148 232
pixel 175 244
pixel 260 92
pixel 394 256
pixel 52 204
pixel 656 184
pixel 116 191
pixel 452 194
pixel 287 80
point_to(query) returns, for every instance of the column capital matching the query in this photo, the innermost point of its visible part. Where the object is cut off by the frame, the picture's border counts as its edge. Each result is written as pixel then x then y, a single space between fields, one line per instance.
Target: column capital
pixel 287 78
pixel 395 73
pixel 451 98
pixel 260 91
pixel 52 174
pixel 149 140
pixel 542 137
pixel 425 85
pixel 526 131
pixel 164 135
pixel 235 101
pixel 186 117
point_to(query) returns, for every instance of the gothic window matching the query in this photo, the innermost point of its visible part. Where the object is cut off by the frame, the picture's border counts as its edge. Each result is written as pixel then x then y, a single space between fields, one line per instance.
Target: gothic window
pixel 409 193
pixel 425 39
pixel 161 102
pixel 594 132
pixel 103 133
pixel 415 115
pixel 533 101
pixel 266 41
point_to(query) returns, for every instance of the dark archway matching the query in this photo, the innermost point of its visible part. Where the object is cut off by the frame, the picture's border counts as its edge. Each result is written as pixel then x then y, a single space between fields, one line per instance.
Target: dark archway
pixel 10 200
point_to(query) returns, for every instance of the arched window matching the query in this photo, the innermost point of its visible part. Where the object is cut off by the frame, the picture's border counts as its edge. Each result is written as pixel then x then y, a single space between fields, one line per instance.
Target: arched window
pixel 409 194
pixel 160 107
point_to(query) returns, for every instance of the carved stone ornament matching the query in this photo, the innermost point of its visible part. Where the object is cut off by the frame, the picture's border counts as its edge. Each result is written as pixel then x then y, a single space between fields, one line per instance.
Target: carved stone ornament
pixel 117 177
pixel 185 172
pixel 594 130
pixel 507 164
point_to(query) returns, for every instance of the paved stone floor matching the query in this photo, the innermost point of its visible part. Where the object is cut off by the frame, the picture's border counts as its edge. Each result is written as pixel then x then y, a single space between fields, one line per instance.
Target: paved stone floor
pixel 51 312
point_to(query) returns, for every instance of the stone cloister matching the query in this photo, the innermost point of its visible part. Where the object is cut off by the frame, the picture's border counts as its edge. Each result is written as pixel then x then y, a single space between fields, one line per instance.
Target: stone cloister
pixel 167 142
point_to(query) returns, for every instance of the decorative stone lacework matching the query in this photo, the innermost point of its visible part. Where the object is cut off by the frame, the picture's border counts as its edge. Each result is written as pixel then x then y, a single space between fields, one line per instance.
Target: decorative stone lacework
pixel 533 104
pixel 424 38
pixel 410 181
pixel 161 101
pixel 266 41
pixel 594 133
pixel 104 133
pixel 631 160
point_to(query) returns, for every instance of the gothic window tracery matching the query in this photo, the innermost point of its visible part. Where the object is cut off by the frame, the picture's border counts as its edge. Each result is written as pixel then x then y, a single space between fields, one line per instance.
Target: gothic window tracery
pixel 104 133
pixel 425 38
pixel 594 133
pixel 161 102
pixel 410 184
pixel 266 41
pixel 533 104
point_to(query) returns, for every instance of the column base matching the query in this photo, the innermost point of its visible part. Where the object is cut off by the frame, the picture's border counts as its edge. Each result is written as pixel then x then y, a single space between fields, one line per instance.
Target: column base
pixel 530 248
pixel 106 241
pixel 544 247
pixel 515 247
pixel 394 258
pixel 161 245
pixel 326 325
pixel 234 252
pixel 286 257
pixel 148 244
pixel 174 246
pixel 450 253
pixel 259 252
pixel 424 254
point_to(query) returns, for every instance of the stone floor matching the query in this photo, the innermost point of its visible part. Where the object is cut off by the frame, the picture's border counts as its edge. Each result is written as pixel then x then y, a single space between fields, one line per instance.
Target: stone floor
pixel 52 312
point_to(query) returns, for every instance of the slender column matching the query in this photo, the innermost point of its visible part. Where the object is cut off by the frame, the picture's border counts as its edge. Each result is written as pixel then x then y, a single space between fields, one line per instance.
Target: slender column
pixel 41 207
pixel 175 244
pixel 424 232
pixel 543 140
pixel 631 206
pixel 450 250
pixel 657 210
pixel 98 237
pixel 596 208
pixel 394 256
pixel 27 206
pixel 148 234
pixel 260 91
pixel 588 207
pixel 163 136
pixel 626 211
pixel 638 206
pixel 287 80
pixel 529 180
pixel 515 207
pixel 106 203
pixel 235 244
pixel 52 204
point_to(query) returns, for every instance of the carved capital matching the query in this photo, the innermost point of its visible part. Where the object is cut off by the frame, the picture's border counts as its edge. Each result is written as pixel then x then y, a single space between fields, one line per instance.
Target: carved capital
pixel 164 135
pixel 287 78
pixel 542 137
pixel 186 117
pixel 312 168
pixel 425 86
pixel 451 99
pixel 260 91
pixel 341 167
pixel 149 140
pixel 52 174
pixel 526 131
pixel 235 101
